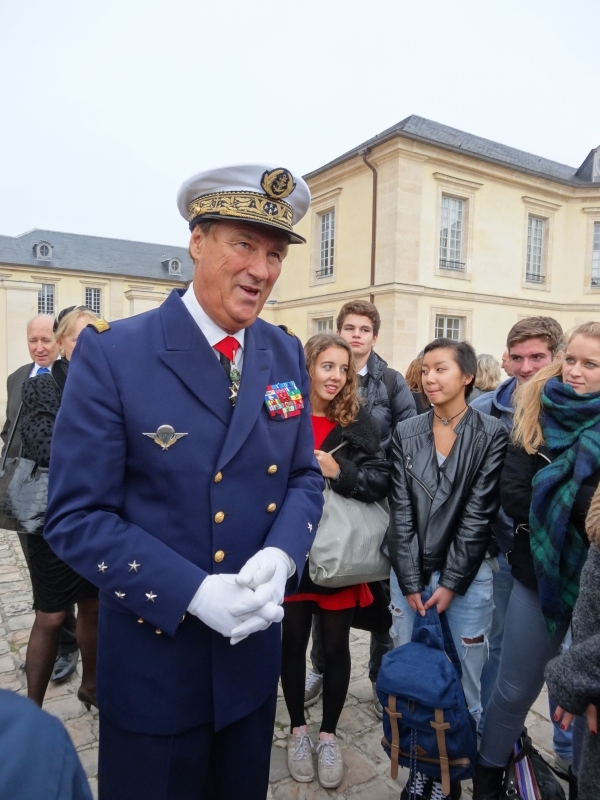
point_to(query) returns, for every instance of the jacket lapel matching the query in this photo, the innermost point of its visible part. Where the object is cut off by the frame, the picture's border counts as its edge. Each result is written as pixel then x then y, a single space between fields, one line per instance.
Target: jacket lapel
pixel 191 358
pixel 251 396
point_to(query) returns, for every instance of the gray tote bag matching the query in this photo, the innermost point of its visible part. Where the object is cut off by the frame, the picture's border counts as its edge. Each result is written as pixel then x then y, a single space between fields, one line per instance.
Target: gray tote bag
pixel 347 547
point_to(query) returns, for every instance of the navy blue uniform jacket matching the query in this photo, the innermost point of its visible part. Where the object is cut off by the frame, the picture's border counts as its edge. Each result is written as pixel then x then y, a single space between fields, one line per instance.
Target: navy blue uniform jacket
pixel 117 499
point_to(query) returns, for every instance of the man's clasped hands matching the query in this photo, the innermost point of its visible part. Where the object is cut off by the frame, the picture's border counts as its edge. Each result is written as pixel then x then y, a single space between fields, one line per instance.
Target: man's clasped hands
pixel 238 605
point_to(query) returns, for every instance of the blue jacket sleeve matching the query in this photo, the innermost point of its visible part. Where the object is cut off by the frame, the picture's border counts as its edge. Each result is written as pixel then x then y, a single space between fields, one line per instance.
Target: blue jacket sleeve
pixel 84 522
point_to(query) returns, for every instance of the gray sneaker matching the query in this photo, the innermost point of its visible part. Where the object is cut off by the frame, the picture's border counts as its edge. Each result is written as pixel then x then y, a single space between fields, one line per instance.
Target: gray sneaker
pixel 299 757
pixel 312 688
pixel 330 764
pixel 377 707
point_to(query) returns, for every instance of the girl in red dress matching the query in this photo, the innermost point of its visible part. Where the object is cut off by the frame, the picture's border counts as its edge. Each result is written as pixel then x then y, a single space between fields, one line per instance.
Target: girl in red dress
pixel 358 469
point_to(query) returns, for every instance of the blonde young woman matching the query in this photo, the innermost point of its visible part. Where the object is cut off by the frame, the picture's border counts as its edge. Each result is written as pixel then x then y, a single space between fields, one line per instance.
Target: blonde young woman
pixel 359 469
pixel 549 477
pixel 55 585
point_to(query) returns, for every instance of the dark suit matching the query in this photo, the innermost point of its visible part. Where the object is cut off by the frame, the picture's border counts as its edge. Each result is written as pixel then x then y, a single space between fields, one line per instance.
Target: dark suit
pixel 14 385
pixel 14 382
pixel 38 757
pixel 117 498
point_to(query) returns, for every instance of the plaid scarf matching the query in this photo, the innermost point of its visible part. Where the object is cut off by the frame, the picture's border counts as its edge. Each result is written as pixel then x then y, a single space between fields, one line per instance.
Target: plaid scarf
pixel 571 427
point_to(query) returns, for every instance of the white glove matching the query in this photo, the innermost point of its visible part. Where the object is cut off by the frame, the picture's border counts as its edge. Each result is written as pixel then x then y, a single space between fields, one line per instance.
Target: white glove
pixel 267 573
pixel 212 602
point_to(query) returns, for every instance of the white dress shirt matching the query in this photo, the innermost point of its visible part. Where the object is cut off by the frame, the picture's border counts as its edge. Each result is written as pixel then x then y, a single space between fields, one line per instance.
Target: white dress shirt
pixel 210 329
pixel 36 368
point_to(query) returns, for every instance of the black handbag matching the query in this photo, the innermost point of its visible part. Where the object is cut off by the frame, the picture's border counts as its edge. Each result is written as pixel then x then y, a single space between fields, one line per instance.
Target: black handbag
pixel 529 776
pixel 23 491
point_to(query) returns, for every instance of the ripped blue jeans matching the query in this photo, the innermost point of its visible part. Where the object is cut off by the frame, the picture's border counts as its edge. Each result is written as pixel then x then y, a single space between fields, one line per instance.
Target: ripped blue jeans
pixel 469 617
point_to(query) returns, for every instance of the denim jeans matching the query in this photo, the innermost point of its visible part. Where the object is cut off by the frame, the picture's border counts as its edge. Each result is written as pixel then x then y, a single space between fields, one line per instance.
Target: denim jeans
pixel 526 651
pixel 562 741
pixel 469 617
pixel 503 584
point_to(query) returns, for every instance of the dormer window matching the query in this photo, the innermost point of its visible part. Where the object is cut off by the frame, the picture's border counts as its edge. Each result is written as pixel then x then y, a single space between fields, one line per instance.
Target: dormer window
pixel 43 251
pixel 173 265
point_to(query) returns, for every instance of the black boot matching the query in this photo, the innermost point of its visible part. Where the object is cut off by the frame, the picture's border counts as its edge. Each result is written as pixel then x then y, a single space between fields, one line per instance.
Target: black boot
pixel 455 790
pixel 487 783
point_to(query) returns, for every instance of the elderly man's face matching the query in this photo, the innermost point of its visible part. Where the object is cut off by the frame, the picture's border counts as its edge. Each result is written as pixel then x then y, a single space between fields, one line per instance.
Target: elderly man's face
pixel 40 339
pixel 236 266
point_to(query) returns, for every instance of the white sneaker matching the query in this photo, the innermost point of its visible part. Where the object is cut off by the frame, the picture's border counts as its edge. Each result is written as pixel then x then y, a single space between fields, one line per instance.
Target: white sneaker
pixel 312 688
pixel 299 757
pixel 330 764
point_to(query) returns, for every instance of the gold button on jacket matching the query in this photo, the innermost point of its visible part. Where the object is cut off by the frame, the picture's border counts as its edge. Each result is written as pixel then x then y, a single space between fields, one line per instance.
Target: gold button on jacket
pixel 271 508
pixel 219 517
pixel 218 477
pixel 219 556
pixel 272 469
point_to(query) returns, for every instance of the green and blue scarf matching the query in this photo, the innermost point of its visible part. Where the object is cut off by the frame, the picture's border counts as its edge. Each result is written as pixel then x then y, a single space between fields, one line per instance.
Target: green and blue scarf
pixel 571 426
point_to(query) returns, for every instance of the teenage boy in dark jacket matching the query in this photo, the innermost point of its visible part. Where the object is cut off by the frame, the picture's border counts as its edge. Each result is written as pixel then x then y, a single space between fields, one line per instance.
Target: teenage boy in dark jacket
pixel 389 401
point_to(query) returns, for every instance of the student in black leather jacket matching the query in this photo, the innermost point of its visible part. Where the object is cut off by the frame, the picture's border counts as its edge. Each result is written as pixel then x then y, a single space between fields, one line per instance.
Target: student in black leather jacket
pixel 446 467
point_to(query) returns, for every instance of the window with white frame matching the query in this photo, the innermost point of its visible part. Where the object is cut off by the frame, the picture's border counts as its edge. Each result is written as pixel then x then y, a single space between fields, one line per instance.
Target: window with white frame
pixel 451 233
pixel 93 299
pixel 534 269
pixel 46 299
pixel 43 251
pixel 448 328
pixel 327 243
pixel 323 324
pixel 596 256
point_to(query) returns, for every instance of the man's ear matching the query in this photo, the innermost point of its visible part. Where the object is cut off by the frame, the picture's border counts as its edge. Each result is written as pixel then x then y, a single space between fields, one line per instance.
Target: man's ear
pixel 196 241
pixel 375 340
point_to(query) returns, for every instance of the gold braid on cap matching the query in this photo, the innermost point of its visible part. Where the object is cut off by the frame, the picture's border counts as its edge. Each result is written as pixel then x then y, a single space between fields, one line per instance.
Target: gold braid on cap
pixel 249 206
pixel 268 208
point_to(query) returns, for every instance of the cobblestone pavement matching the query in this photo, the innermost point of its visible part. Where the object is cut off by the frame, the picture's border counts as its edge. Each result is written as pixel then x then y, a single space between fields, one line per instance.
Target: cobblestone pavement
pixel 366 775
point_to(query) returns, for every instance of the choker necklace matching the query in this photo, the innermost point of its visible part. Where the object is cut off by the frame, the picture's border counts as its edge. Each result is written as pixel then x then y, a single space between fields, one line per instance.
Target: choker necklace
pixel 448 421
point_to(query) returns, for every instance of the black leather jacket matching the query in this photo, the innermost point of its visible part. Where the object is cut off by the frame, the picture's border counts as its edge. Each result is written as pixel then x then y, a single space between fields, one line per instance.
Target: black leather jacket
pixel 440 516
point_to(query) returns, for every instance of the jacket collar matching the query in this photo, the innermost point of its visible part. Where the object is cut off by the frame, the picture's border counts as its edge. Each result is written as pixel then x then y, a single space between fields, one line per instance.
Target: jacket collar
pixel 375 365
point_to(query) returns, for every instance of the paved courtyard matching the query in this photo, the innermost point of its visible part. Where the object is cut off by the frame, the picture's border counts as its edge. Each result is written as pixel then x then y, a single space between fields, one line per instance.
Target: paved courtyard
pixel 367 767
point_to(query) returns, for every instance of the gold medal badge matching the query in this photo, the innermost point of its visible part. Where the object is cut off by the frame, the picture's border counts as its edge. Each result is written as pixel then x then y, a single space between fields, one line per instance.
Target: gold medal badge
pixel 278 183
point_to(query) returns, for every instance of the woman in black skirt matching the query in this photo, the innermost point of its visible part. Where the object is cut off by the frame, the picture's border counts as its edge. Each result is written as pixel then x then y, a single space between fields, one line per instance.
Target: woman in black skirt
pixel 55 585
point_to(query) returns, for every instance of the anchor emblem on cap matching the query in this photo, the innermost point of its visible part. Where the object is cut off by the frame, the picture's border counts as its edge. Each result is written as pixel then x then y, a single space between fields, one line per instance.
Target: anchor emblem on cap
pixel 165 436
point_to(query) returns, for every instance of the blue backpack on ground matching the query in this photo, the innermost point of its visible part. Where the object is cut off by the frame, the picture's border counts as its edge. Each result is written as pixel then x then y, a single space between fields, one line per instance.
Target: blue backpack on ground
pixel 427 726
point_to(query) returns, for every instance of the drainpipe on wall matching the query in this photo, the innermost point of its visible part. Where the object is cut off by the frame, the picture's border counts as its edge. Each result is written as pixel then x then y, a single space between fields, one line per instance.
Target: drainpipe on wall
pixel 363 153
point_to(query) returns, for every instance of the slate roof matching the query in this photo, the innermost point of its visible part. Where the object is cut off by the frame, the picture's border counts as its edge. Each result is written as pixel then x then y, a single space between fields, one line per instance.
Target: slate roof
pixel 119 257
pixel 425 130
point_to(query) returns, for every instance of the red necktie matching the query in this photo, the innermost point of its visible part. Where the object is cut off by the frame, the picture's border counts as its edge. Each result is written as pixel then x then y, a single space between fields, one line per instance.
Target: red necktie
pixel 228 347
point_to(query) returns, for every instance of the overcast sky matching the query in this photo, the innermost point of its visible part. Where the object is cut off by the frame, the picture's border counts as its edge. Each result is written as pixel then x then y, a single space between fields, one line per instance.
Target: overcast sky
pixel 105 107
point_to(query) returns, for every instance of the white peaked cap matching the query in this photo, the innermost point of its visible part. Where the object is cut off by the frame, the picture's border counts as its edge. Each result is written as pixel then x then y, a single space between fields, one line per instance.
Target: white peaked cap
pixel 264 194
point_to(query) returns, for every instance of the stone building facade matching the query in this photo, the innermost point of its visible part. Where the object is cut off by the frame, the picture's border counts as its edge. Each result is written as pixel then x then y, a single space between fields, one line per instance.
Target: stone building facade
pixel 447 233
pixel 46 271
